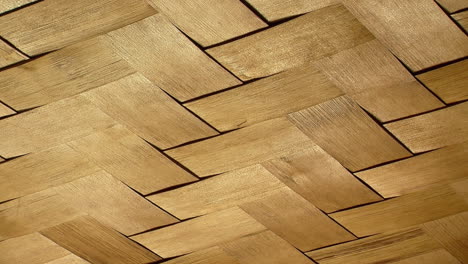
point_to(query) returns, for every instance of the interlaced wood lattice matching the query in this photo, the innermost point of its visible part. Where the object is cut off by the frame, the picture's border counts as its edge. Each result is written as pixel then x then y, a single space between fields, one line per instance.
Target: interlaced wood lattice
pixel 233 132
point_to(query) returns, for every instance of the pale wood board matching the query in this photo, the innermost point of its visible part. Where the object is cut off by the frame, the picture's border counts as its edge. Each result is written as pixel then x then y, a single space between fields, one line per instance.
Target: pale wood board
pixel 453 5
pixel 4 110
pixel 432 130
pixel 432 257
pixel 383 248
pixel 61 74
pixel 70 259
pixel 209 22
pixel 295 220
pixel 34 33
pixel 265 99
pixel 8 5
pixel 348 134
pixel 241 148
pixel 212 255
pixel 320 179
pixel 97 243
pixel 293 43
pixel 199 233
pixel 131 160
pixel 377 81
pixel 450 83
pixel 39 171
pixel 418 32
pixel 185 72
pixel 274 10
pixel 8 54
pixel 424 171
pixel 137 103
pixel 462 19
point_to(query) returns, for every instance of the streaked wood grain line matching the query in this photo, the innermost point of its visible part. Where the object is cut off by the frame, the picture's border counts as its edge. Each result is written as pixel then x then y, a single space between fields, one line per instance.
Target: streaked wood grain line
pixel 433 130
pixel 274 10
pixel 291 44
pixel 453 5
pixel 8 54
pixel 185 72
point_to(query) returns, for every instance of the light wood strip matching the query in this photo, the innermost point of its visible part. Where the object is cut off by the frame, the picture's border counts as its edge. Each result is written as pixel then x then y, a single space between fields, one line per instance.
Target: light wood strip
pixel 8 5
pixel 4 110
pixel 199 233
pixel 384 248
pixel 348 134
pixel 274 10
pixel 432 257
pixel 453 5
pixel 39 171
pixel 378 82
pixel 320 179
pixel 438 167
pixel 418 32
pixel 185 72
pixel 408 210
pixel 265 99
pixel 432 130
pixel 131 100
pixel 49 126
pixel 61 74
pixel 89 239
pixel 242 148
pixel 293 43
pixel 34 33
pixel 296 220
pixel 450 83
pixel 70 259
pixel 212 255
pixel 462 19
pixel 209 22
pixel 8 54
pixel 131 160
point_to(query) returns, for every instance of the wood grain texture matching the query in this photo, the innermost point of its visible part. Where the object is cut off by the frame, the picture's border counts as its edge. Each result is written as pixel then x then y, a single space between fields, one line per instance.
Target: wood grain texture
pixel 212 255
pixel 462 19
pixel 274 10
pixel 295 220
pixel 383 248
pixel 8 54
pixel 70 259
pixel 265 99
pixel 320 179
pixel 131 100
pixel 61 74
pixel 377 81
pixel 432 130
pixel 292 44
pixel 49 126
pixel 453 5
pixel 34 33
pixel 131 160
pixel 209 22
pixel 5 111
pixel 97 243
pixel 405 211
pixel 241 148
pixel 348 134
pixel 8 5
pixel 199 233
pixel 450 83
pixel 441 166
pixel 431 257
pixel 39 171
pixel 184 72
pixel 418 32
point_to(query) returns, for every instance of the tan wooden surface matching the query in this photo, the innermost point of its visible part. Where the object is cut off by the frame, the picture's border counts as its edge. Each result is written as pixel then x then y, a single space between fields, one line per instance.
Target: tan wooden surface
pixel 462 19
pixel 453 5
pixel 277 9
pixel 9 55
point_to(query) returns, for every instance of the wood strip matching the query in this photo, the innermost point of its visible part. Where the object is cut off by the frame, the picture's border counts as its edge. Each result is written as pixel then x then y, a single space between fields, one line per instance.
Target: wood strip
pixel 432 40
pixel 8 5
pixel 8 54
pixel 199 233
pixel 274 10
pixel 424 171
pixel 432 257
pixel 384 248
pixel 453 5
pixel 89 239
pixel 265 99
pixel 292 44
pixel 321 180
pixel 296 220
pixel 348 134
pixel 449 82
pixel 242 148
pixel 33 33
pixel 131 100
pixel 131 160
pixel 208 23
pixel 462 19
pixel 432 130
pixel 408 210
pixel 49 126
pixel 212 255
pixel 61 74
pixel 5 111
pixel 70 259
pixel 185 72
pixel 42 170
pixel 378 82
